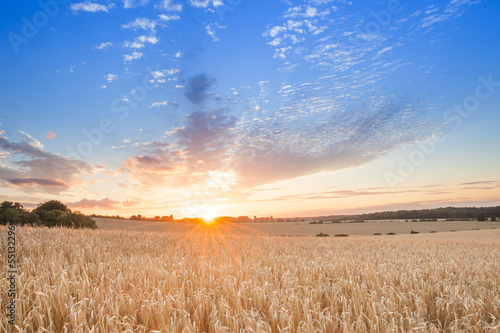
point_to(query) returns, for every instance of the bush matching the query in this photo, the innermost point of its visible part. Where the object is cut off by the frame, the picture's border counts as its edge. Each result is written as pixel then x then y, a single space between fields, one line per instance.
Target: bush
pixel 414 232
pixel 322 235
pixel 432 232
pixel 377 234
pixel 341 235
pixel 391 233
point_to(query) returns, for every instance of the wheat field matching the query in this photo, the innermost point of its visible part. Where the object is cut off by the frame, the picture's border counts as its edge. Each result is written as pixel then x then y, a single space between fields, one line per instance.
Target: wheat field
pixel 126 281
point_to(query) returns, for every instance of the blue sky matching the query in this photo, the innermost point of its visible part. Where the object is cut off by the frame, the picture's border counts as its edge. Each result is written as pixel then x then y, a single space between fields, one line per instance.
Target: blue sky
pixel 249 107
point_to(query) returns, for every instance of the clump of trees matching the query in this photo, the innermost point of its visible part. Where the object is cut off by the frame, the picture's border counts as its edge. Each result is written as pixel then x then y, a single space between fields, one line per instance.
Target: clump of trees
pixel 52 213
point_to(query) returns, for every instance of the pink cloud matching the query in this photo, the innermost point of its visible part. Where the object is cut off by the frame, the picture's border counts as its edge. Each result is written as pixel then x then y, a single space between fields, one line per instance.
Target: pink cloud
pixel 51 135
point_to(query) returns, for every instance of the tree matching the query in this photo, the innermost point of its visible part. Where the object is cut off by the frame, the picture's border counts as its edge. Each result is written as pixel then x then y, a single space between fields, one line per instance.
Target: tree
pixel 481 217
pixel 52 205
pixel 9 204
pixel 14 213
pixel 493 219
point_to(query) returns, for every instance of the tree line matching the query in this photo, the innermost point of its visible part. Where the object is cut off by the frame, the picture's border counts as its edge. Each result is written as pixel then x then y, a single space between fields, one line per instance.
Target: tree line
pixel 52 213
pixel 479 213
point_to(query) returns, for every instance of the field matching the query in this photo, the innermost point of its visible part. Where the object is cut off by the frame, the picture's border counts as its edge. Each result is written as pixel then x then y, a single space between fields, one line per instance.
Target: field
pixel 303 228
pixel 207 281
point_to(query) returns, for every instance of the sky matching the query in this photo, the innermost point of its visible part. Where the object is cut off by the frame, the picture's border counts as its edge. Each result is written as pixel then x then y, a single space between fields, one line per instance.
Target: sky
pixel 257 108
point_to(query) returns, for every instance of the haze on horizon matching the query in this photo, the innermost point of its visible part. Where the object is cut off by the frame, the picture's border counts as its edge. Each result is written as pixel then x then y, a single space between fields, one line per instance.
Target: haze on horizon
pixel 217 107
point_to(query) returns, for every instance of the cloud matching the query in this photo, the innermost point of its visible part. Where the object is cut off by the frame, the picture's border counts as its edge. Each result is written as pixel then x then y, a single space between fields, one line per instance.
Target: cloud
pixel 453 9
pixel 88 7
pixel 133 56
pixel 134 3
pixel 36 169
pixel 168 5
pixel 285 147
pixel 30 140
pixel 106 203
pixel 163 103
pixel 205 3
pixel 103 46
pixel 111 77
pixel 37 181
pixel 141 23
pixel 211 28
pixel 166 18
pixel 197 87
pixel 51 135
pixel 199 149
pixel 139 42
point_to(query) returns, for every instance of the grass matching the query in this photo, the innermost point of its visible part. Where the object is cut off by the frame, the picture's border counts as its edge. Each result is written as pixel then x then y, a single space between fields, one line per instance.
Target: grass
pixel 117 281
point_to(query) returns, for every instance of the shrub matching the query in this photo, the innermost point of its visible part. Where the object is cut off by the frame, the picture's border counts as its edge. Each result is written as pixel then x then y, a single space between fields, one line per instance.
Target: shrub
pixel 391 233
pixel 322 235
pixel 341 235
pixel 377 234
pixel 432 232
pixel 414 232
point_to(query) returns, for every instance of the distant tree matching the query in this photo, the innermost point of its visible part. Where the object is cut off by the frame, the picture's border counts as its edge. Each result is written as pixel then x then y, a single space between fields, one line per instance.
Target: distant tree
pixel 493 219
pixel 157 218
pixel 133 217
pixel 481 216
pixel 139 216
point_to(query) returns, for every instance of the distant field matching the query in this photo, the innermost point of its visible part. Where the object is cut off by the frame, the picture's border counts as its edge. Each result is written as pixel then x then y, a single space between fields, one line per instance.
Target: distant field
pixel 127 281
pixel 302 228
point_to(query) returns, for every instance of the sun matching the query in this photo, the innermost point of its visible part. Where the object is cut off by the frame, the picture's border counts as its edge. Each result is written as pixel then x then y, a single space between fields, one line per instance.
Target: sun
pixel 208 218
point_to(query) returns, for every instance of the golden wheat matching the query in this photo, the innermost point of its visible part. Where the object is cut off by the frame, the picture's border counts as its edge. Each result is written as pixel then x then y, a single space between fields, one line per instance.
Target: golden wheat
pixel 125 281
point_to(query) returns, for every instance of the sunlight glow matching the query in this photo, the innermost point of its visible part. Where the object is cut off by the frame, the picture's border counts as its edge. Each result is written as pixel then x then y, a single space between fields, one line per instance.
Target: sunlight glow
pixel 208 217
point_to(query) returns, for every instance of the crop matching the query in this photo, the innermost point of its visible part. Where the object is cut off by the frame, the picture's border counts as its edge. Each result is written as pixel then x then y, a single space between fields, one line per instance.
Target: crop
pixel 205 281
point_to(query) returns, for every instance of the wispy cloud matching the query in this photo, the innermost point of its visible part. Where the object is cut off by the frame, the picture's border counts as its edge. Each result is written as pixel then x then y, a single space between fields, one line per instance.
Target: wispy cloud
pixel 103 46
pixel 140 42
pixel 211 29
pixel 163 103
pixel 205 3
pixel 88 7
pixel 141 23
pixel 133 56
pixel 169 5
pixel 166 18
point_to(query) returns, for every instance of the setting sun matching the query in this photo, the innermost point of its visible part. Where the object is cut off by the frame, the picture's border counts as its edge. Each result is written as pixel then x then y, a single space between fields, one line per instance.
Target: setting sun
pixel 208 218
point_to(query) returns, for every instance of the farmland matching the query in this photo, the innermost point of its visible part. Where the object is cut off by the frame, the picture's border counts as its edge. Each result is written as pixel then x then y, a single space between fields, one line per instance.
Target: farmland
pixel 303 228
pixel 208 281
